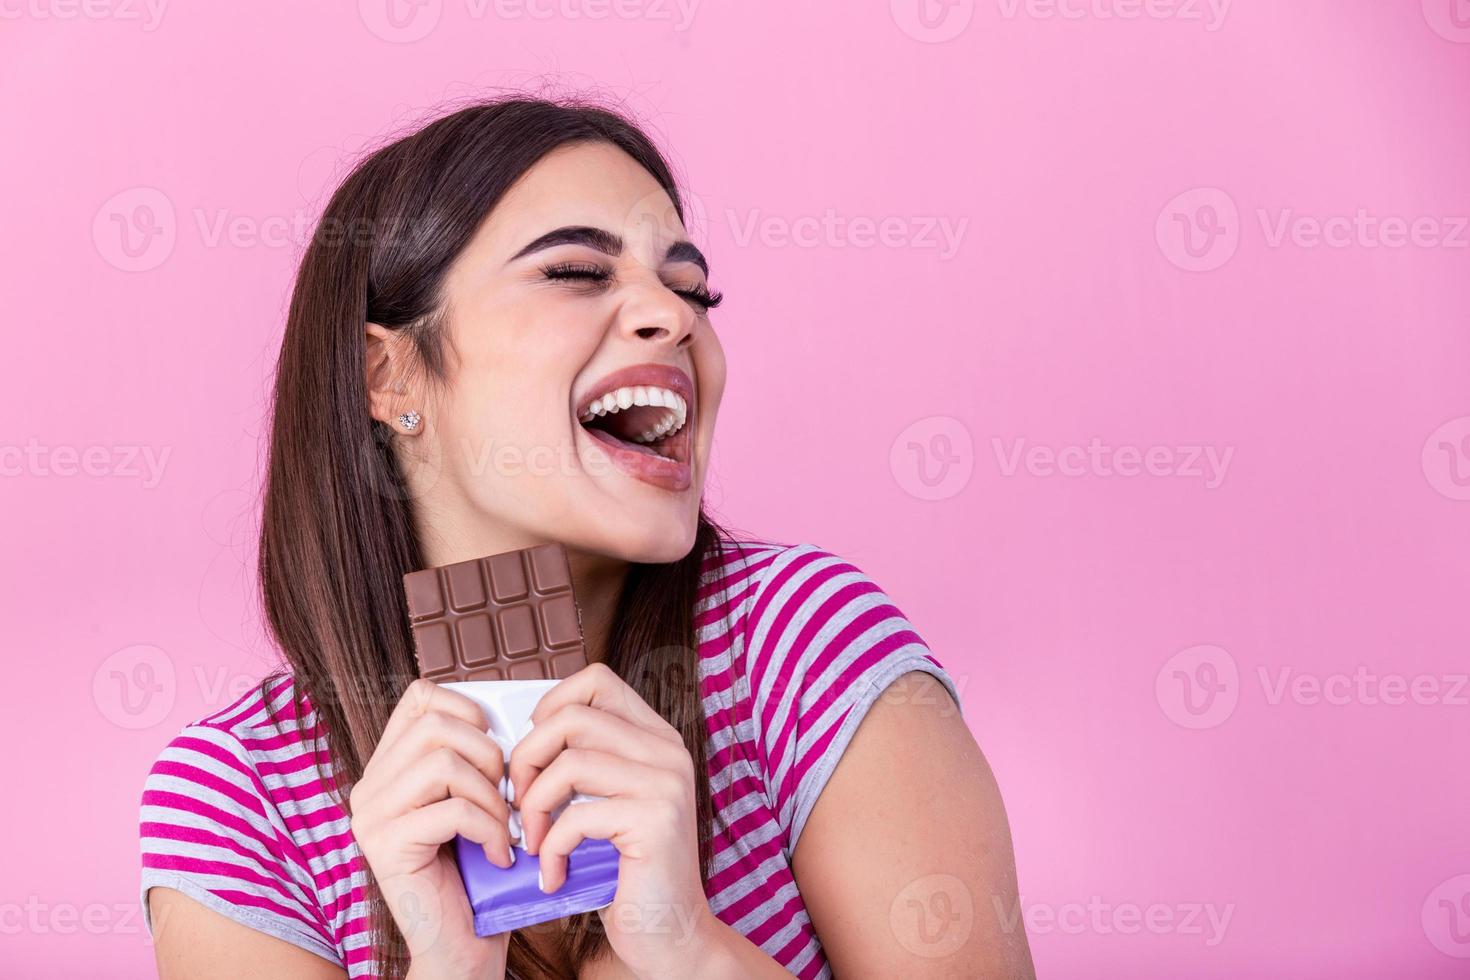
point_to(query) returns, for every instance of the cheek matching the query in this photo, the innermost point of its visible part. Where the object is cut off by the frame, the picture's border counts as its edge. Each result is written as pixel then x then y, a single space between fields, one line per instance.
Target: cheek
pixel 502 414
pixel 709 365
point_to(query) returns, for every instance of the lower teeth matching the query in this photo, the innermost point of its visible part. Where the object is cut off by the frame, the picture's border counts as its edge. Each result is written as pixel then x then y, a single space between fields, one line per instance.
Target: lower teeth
pixel 643 448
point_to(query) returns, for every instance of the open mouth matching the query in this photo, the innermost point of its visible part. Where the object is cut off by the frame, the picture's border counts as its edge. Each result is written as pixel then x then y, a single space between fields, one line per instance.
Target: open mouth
pixel 647 419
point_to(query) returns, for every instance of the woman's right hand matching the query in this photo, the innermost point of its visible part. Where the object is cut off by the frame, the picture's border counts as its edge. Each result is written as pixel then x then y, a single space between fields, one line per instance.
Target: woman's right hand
pixel 435 773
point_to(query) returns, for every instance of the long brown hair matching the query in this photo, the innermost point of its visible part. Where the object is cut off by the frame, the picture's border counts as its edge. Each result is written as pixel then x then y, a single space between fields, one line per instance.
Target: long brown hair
pixel 337 532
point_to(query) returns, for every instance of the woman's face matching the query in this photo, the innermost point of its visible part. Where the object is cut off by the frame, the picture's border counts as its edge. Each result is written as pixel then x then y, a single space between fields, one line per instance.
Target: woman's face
pixel 580 284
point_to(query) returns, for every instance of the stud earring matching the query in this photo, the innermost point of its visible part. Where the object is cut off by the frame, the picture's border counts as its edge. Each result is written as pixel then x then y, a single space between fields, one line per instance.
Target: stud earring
pixel 409 420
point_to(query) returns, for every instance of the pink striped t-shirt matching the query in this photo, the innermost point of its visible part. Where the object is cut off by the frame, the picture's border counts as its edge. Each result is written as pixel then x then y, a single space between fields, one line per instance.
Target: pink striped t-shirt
pixel 795 644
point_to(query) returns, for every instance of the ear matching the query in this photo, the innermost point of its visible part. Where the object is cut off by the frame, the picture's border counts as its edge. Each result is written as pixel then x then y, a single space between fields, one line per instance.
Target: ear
pixel 387 367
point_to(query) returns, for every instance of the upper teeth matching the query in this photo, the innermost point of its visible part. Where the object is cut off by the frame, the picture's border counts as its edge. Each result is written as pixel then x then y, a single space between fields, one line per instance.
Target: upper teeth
pixel 621 398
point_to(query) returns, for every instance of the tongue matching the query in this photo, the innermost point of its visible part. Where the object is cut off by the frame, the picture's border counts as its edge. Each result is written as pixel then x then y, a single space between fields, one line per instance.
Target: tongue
pixel 637 447
pixel 622 426
pixel 620 442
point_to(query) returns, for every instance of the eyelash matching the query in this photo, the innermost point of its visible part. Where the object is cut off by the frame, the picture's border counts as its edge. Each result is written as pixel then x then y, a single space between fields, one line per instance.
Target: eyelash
pixel 571 270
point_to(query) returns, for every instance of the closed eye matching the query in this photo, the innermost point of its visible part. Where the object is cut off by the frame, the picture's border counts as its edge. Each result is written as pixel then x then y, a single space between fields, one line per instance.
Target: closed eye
pixel 699 295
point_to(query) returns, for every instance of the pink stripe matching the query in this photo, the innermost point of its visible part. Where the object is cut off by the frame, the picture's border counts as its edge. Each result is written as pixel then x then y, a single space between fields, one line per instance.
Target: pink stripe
pixel 260 902
pixel 840 644
pixel 196 835
pixel 731 591
pixel 776 642
pixel 327 813
pixel 274 844
pixel 300 762
pixel 849 682
pixel 224 757
pixel 777 921
pixel 813 754
pixel 201 777
pixel 235 872
pixel 275 743
pixel 773 662
pixel 787 687
pixel 756 897
pixel 747 863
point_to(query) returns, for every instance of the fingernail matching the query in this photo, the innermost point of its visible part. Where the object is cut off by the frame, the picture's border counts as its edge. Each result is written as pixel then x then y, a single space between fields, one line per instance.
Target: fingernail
pixel 512 852
pixel 539 882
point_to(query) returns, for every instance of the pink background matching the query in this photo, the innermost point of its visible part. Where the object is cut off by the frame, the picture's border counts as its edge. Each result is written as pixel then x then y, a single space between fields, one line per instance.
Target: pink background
pixel 1121 640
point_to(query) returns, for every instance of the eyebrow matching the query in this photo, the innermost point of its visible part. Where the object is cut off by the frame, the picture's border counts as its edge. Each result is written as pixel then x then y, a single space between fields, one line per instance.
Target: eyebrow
pixel 608 243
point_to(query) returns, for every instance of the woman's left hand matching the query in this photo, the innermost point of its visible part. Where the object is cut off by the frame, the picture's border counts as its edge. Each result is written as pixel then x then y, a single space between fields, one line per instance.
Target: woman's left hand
pixel 593 734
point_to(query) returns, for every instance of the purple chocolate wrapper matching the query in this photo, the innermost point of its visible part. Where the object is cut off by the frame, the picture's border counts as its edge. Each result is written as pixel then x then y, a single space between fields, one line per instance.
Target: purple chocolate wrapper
pixel 510 898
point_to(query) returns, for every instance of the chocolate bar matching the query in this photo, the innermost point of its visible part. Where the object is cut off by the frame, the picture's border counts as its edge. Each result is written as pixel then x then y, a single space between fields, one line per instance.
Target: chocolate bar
pixel 510 616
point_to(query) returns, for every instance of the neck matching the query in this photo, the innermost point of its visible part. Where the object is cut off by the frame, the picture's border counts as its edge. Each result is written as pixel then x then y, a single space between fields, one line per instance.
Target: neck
pixel 598 582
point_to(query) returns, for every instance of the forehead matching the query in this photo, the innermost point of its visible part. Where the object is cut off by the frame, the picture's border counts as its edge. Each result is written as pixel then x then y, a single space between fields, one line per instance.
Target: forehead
pixel 593 184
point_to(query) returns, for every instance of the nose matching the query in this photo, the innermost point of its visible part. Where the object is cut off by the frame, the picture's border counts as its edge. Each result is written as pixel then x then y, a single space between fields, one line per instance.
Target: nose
pixel 660 315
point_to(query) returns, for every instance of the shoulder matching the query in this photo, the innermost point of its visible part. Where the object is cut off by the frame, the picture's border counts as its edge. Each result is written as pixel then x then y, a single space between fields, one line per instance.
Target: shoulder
pixel 821 641
pixel 264 722
pixel 818 624
pixel 209 825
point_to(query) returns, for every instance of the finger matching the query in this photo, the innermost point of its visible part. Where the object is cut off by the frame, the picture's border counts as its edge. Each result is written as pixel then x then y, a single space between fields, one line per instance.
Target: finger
pixel 423 696
pixel 581 726
pixel 442 774
pixel 599 820
pixel 594 773
pixel 439 822
pixel 598 686
pixel 438 730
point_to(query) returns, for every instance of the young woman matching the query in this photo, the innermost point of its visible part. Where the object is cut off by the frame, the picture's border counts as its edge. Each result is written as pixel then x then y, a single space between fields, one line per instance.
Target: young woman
pixel 499 337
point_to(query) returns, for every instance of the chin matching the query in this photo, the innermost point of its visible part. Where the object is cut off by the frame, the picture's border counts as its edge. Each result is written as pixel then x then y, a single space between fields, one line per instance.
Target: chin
pixel 654 541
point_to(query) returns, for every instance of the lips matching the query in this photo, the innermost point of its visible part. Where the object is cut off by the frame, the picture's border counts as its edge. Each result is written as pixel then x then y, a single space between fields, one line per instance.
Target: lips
pixel 642 417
